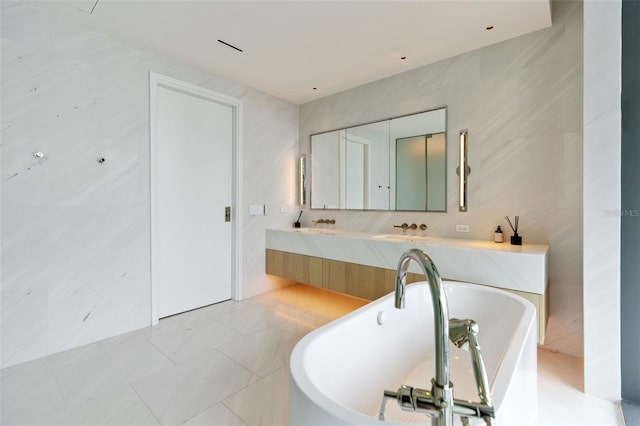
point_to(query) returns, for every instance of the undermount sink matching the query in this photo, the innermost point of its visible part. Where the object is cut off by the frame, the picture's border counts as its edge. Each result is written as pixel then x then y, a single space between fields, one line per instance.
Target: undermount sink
pixel 317 231
pixel 402 237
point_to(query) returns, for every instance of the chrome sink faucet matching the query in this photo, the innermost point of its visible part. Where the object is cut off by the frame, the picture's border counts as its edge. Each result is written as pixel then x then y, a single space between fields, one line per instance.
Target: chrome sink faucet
pixel 404 226
pixel 439 402
pixel 324 221
pixel 413 227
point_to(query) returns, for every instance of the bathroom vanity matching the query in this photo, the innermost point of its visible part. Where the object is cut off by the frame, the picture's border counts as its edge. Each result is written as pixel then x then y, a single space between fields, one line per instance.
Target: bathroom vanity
pixel 364 264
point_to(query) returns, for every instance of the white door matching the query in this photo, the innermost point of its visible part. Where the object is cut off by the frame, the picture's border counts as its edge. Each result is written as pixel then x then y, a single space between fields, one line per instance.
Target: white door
pixel 191 241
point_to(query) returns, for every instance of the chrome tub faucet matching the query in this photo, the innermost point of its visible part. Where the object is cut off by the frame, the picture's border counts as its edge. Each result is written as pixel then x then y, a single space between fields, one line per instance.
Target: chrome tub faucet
pixel 439 403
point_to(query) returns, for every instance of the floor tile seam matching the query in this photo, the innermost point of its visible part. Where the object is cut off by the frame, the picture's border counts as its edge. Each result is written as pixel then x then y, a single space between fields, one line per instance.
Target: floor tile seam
pixel 244 333
pixel 100 391
pixel 246 305
pixel 167 356
pixel 273 326
pixel 131 384
pixel 125 337
pixel 196 323
pixel 244 367
pixel 68 403
pixel 251 333
pixel 205 409
pixel 173 317
pixel 61 409
pixel 223 402
pixel 274 306
pixel 215 348
pixel 61 366
pixel 231 409
pixel 65 403
pixel 194 328
pixel 240 334
pixel 265 325
pixel 301 312
pixel 266 376
pixel 298 317
pixel 144 402
pixel 210 351
pixel 243 336
pixel 291 334
pixel 298 336
pixel 286 304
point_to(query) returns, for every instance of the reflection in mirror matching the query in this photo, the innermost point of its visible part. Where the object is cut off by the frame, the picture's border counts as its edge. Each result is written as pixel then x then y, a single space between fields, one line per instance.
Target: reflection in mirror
pixel 420 171
pixel 437 172
pixel 411 173
pixel 396 164
pixel 326 170
pixel 374 183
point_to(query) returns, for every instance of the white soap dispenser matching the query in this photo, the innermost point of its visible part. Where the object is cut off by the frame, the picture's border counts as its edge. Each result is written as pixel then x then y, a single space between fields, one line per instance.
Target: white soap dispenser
pixel 498 236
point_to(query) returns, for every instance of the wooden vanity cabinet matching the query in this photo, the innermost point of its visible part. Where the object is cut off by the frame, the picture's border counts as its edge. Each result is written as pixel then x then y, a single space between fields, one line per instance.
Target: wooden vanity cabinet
pixel 296 267
pixel 366 282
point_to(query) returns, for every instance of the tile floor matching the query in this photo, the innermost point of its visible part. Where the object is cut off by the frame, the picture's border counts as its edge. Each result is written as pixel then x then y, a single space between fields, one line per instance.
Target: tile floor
pixel 226 364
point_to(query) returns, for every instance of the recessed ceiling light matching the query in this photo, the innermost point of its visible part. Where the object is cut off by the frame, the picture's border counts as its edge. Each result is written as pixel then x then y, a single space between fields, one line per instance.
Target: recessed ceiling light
pixel 489 28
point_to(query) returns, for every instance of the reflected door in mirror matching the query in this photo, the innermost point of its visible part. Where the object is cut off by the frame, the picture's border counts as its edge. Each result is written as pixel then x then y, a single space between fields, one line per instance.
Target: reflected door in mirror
pixel 357 168
pixel 420 171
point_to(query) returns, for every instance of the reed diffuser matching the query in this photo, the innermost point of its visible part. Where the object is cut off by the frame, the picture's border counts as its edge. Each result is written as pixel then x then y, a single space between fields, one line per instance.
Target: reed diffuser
pixel 516 239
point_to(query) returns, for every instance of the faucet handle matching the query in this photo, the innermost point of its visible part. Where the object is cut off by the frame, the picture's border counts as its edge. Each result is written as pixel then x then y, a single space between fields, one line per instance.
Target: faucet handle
pixel 423 227
pixel 404 226
pixel 413 226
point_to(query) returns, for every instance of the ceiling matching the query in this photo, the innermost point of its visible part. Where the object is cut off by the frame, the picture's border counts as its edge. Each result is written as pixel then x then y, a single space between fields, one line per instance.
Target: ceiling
pixel 291 47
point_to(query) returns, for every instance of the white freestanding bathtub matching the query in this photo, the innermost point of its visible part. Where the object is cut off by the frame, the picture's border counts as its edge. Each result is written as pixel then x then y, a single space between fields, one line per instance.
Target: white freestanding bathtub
pixel 339 371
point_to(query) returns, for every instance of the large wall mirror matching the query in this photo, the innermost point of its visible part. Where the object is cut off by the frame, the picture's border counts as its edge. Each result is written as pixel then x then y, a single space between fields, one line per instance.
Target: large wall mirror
pixel 396 164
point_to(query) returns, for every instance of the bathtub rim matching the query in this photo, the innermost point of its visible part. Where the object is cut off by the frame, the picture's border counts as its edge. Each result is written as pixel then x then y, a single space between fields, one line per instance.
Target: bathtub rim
pixel 506 370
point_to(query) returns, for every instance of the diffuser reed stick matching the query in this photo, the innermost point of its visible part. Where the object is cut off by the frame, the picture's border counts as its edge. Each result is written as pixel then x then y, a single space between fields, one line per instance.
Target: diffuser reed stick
pixel 511 225
pixel 516 240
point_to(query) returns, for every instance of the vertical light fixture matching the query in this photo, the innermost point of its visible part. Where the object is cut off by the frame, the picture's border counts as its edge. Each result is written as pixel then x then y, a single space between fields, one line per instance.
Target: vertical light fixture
pixel 302 180
pixel 463 170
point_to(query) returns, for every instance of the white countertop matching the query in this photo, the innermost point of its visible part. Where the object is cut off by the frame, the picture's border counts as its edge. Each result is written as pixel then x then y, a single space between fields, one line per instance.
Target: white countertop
pixel 523 268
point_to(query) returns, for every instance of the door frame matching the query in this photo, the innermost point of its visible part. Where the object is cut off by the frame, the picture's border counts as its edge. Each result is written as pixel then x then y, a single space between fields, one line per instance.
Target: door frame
pixel 157 81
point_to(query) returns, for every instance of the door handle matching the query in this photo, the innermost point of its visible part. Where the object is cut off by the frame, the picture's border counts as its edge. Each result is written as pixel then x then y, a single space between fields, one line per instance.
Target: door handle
pixel 227 214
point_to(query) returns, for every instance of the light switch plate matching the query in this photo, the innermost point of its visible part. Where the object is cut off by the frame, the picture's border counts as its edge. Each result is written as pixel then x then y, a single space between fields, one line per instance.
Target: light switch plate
pixel 256 210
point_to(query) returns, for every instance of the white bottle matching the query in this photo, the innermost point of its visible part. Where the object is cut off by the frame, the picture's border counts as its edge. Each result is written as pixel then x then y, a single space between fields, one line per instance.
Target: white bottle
pixel 498 236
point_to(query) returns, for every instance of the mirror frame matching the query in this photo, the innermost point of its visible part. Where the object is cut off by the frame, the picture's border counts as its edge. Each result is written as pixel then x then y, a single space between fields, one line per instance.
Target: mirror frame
pixel 309 174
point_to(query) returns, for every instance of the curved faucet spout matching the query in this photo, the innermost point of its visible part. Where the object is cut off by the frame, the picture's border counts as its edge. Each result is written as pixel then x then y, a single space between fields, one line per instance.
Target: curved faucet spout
pixel 442 391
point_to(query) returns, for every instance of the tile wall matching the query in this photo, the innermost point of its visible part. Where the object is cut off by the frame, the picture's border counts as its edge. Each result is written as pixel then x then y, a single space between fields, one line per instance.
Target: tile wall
pixel 75 233
pixel 602 196
pixel 521 101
